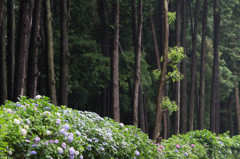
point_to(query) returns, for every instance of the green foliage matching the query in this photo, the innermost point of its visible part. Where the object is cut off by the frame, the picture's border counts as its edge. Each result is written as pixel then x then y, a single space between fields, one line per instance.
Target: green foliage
pixel 171 17
pixel 201 144
pixel 169 105
pixel 36 128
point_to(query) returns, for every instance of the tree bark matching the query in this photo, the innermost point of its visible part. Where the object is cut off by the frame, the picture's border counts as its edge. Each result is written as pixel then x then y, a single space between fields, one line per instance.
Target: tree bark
pixel 3 68
pixel 25 22
pixel 162 81
pixel 237 108
pixel 203 61
pixel 155 43
pixel 64 60
pixel 193 67
pixel 115 73
pixel 10 47
pixel 50 53
pixel 214 119
pixel 35 41
pixel 184 72
pixel 137 77
pixel 230 126
pixel 177 86
pixel 161 27
pixel 141 110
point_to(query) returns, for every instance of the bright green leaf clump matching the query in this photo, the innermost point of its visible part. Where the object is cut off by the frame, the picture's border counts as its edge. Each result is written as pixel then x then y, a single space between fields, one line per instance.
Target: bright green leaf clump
pixel 35 128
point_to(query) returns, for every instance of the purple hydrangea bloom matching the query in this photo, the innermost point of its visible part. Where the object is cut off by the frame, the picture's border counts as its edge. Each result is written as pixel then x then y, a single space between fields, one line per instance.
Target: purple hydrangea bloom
pixel 176 150
pixel 51 141
pixel 37 139
pixel 78 133
pixel 186 154
pixel 28 121
pixel 47 108
pixel 27 140
pixel 33 152
pixel 61 131
pixel 64 145
pixel 81 157
pixel 60 150
pixel 192 145
pixel 71 134
pixel 56 141
pixel 177 146
pixel 137 153
pixel 66 126
pixel 58 121
pixel 34 145
pixel 70 139
pixel 71 151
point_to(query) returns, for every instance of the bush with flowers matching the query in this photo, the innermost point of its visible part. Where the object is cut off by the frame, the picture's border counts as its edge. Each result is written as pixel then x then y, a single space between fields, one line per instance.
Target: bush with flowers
pixel 35 128
pixel 201 144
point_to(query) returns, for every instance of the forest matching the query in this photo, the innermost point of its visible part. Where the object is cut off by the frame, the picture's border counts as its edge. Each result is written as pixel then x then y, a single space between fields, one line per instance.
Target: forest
pixel 165 66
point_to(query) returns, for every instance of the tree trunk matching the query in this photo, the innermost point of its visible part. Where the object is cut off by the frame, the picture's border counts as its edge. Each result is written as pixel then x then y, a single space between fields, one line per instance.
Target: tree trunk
pixel 24 30
pixel 10 47
pixel 50 54
pixel 193 67
pixel 214 112
pixel 155 43
pixel 115 74
pixel 3 68
pixel 137 71
pixel 162 81
pixel 229 105
pixel 161 27
pixel 184 72
pixel 202 71
pixel 35 41
pixel 177 86
pixel 64 60
pixel 141 110
pixel 237 108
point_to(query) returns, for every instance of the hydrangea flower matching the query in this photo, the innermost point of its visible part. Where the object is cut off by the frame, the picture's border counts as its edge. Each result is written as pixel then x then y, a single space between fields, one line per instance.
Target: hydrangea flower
pixel 38 97
pixel 58 121
pixel 27 140
pixel 176 151
pixel 70 139
pixel 186 154
pixel 56 141
pixel 64 145
pixel 10 153
pixel 16 121
pixel 23 132
pixel 51 141
pixel 162 147
pixel 177 146
pixel 61 131
pixel 192 145
pixel 160 150
pixel 71 151
pixel 121 125
pixel 78 133
pixel 48 132
pixel 76 153
pixel 37 139
pixel 137 153
pixel 58 114
pixel 33 152
pixel 81 157
pixel 66 127
pixel 47 108
pixel 26 126
pixel 60 150
pixel 34 145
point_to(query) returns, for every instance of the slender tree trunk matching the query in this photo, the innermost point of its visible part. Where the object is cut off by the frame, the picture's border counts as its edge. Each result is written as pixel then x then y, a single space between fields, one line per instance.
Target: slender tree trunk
pixel 203 59
pixel 35 42
pixel 214 119
pixel 194 66
pixel 230 126
pixel 145 112
pixel 162 81
pixel 64 60
pixel 161 27
pixel 177 86
pixel 155 43
pixel 10 47
pixel 237 108
pixel 137 77
pixel 115 78
pixel 50 53
pixel 141 110
pixel 24 30
pixel 3 68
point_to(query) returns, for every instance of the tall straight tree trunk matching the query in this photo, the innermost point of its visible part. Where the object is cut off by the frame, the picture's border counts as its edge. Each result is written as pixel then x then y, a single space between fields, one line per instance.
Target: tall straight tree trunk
pixel 141 110
pixel 162 80
pixel 50 53
pixel 214 112
pixel 229 105
pixel 137 77
pixel 202 71
pixel 3 68
pixel 105 52
pixel 115 73
pixel 33 72
pixel 155 42
pixel 64 60
pixel 161 27
pixel 24 30
pixel 184 72
pixel 177 86
pixel 10 47
pixel 237 108
pixel 193 67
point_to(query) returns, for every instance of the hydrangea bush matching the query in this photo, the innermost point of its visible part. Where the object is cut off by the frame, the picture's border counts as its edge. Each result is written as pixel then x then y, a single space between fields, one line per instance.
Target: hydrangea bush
pixel 35 128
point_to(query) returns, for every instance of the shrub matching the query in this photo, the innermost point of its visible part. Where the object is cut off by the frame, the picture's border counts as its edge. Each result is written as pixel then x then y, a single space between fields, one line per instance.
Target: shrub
pixel 35 128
